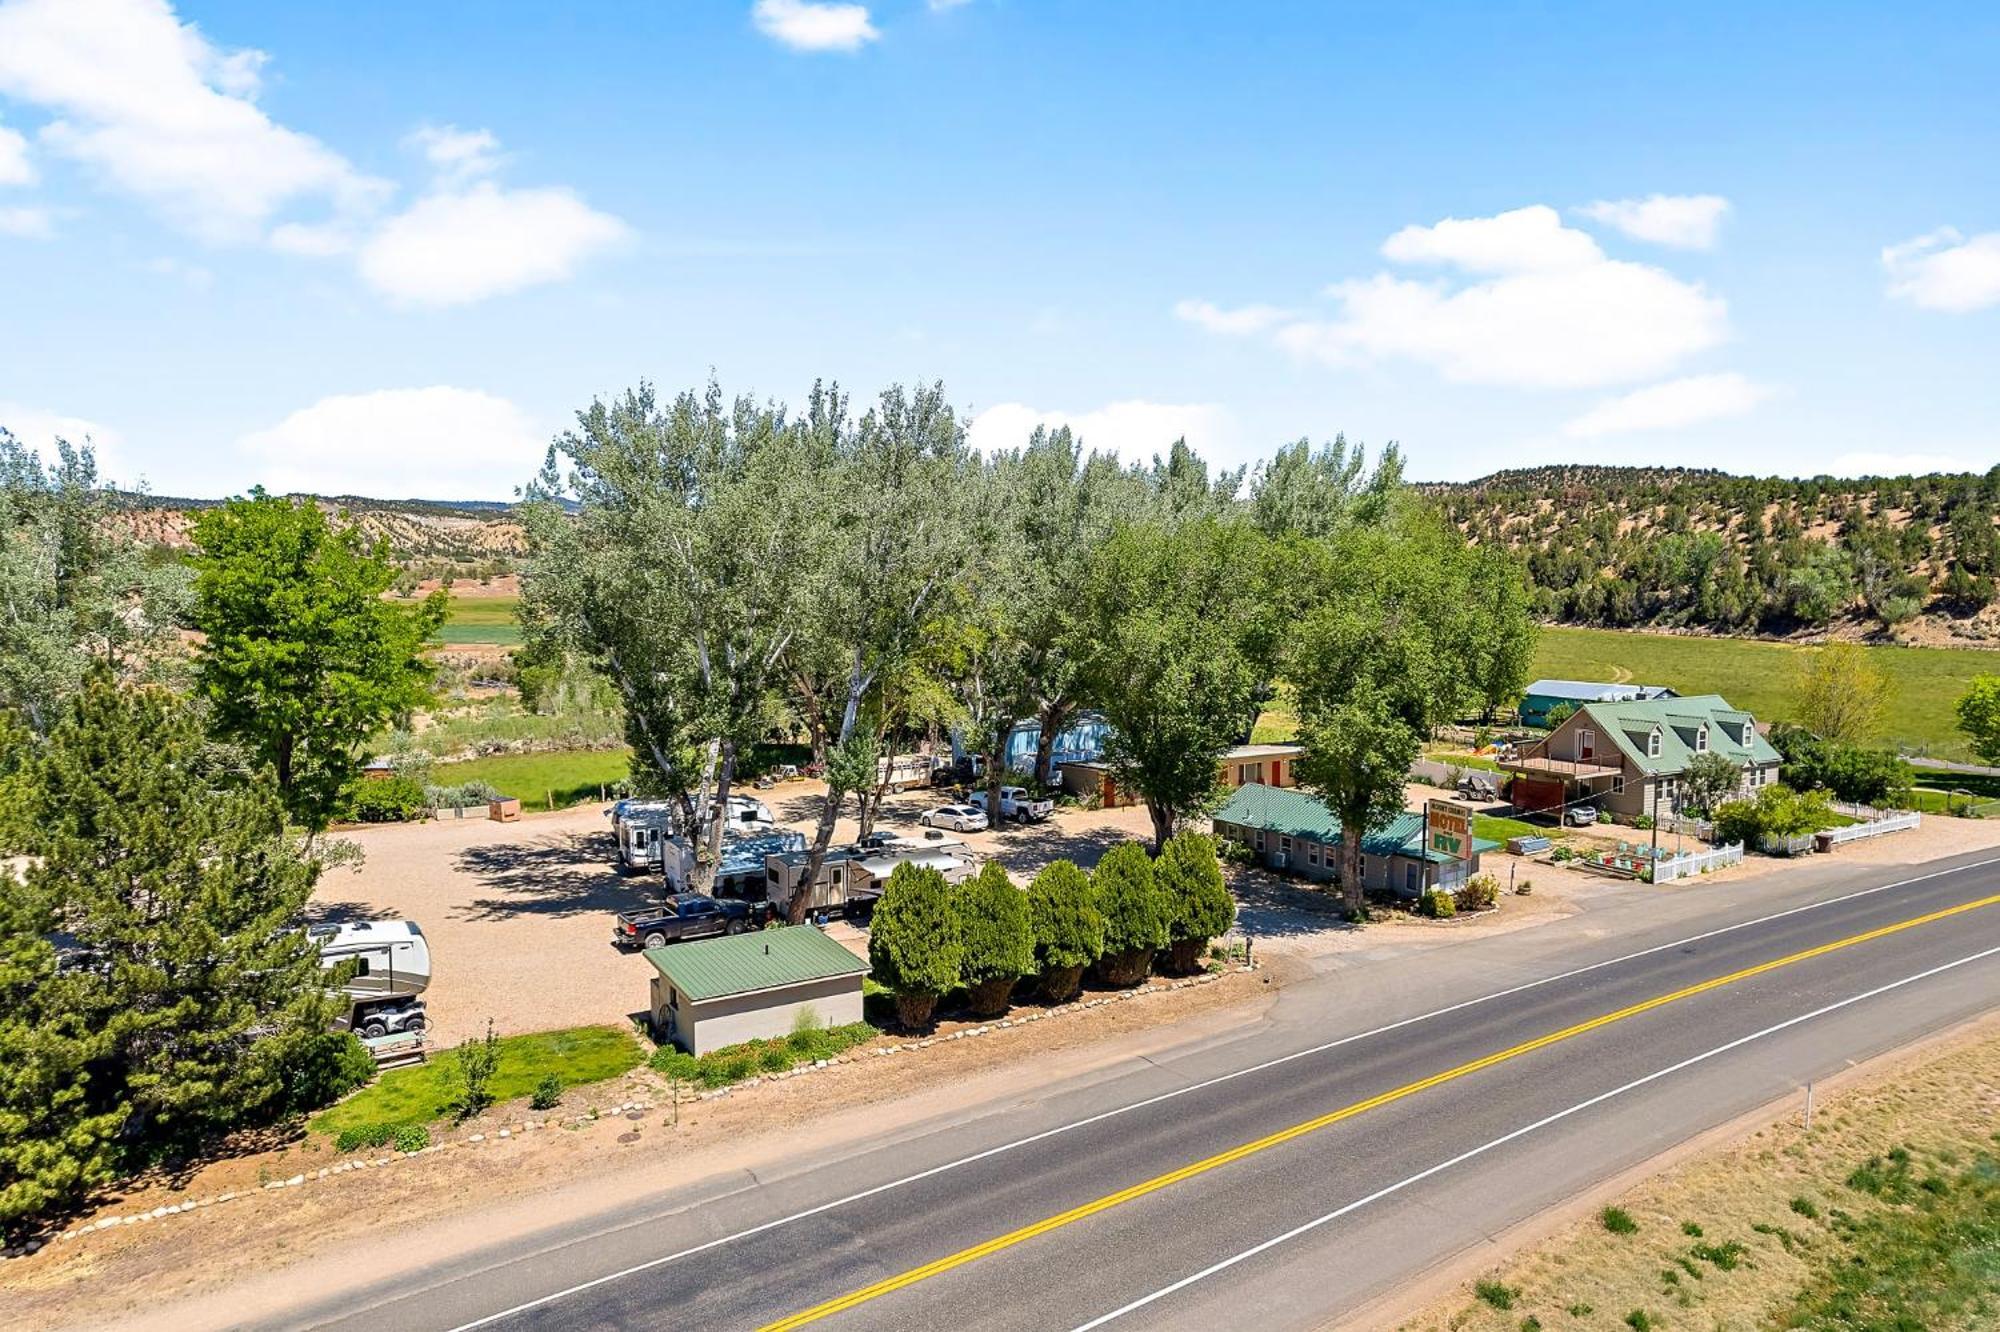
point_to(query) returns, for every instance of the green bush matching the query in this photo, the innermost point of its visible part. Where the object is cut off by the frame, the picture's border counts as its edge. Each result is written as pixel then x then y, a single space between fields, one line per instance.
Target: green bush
pixel 412 1137
pixel 1068 928
pixel 671 1063
pixel 1497 1295
pixel 776 1058
pixel 1128 896
pixel 1643 823
pixel 1806 1207
pixel 914 944
pixel 386 800
pixel 1639 1321
pixel 365 1135
pixel 1437 904
pixel 1478 893
pixel 547 1094
pixel 1198 904
pixel 317 1068
pixel 999 943
pixel 473 1066
pixel 1618 1221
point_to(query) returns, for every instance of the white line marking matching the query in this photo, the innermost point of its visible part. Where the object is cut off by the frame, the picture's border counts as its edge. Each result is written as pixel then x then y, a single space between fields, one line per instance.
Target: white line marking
pixel 1505 1138
pixel 1100 1117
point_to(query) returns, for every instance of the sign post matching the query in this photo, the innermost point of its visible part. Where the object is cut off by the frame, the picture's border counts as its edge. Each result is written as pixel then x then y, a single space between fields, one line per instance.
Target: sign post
pixel 1448 831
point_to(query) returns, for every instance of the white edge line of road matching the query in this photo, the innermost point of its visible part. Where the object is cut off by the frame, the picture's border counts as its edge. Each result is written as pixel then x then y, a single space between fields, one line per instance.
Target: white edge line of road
pixel 1318 1221
pixel 1113 1113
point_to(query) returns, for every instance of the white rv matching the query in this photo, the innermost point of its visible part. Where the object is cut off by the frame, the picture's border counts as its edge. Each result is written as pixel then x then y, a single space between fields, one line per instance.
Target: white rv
pixel 643 828
pixel 392 967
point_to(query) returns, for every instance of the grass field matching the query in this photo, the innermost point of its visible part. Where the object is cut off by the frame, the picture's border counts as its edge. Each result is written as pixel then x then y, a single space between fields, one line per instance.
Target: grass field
pixel 420 1094
pixel 482 620
pixel 1924 683
pixel 571 777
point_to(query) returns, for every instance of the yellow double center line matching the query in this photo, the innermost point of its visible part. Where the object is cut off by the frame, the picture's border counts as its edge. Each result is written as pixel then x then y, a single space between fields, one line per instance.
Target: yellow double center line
pixel 1110 1200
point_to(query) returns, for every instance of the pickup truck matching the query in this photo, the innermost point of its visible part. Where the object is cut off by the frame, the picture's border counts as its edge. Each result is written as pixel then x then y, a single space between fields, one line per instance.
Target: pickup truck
pixel 686 916
pixel 1015 804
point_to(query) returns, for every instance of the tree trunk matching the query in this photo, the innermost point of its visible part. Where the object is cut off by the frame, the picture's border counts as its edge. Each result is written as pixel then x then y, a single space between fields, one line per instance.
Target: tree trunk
pixel 914 1010
pixel 993 753
pixel 795 909
pixel 725 778
pixel 1061 984
pixel 1054 715
pixel 1163 825
pixel 989 998
pixel 1185 955
pixel 1350 866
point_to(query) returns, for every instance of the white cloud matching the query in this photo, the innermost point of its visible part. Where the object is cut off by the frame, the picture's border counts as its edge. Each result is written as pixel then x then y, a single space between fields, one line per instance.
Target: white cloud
pixel 1544 307
pixel 1526 240
pixel 27 222
pixel 1684 221
pixel 457 154
pixel 1899 464
pixel 1676 403
pixel 39 428
pixel 1135 429
pixel 194 276
pixel 1946 271
pixel 159 112
pixel 458 246
pixel 424 443
pixel 806 25
pixel 15 167
pixel 1239 322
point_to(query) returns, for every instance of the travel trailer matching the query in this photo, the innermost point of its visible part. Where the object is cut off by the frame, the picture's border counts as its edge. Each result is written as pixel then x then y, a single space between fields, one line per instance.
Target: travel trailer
pixel 739 872
pixel 392 967
pixel 642 828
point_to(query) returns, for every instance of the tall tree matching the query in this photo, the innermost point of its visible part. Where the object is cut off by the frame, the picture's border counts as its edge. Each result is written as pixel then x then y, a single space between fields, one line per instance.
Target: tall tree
pixel 1181 631
pixel 302 659
pixel 1838 694
pixel 1979 717
pixel 184 995
pixel 74 590
pixel 915 947
pixel 998 940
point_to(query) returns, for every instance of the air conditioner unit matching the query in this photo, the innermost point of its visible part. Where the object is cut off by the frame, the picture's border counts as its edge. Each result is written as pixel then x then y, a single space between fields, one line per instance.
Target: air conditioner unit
pixel 1278 859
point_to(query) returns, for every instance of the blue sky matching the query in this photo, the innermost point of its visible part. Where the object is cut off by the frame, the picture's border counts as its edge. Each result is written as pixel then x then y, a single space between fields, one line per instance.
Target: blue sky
pixel 389 248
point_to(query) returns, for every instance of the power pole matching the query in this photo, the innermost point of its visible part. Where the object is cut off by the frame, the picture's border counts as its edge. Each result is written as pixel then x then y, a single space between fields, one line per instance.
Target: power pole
pixel 1656 821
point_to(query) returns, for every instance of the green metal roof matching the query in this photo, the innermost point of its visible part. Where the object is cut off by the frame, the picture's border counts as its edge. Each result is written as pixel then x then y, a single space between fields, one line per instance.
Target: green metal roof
pixel 1293 813
pixel 746 963
pixel 1628 725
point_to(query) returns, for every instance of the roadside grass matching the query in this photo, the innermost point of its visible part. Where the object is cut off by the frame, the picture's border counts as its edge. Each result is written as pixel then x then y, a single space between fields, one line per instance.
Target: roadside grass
pixel 1886 1216
pixel 734 1063
pixel 543 781
pixel 426 1092
pixel 1924 683
pixel 503 721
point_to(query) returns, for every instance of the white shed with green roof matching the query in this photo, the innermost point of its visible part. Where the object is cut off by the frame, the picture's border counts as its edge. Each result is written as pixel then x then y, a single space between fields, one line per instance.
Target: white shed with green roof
pixel 747 987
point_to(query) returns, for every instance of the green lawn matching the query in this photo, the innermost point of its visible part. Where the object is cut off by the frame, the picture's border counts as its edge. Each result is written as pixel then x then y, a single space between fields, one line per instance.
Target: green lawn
pixel 424 1092
pixel 570 777
pixel 1461 759
pixel 482 620
pixel 1924 683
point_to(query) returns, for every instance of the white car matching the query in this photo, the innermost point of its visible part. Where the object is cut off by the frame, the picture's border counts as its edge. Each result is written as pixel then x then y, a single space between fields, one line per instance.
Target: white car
pixel 958 818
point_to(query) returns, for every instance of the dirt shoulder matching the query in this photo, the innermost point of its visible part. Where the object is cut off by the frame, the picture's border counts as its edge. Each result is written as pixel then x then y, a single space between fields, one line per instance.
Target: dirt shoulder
pixel 1719 1238
pixel 267 1248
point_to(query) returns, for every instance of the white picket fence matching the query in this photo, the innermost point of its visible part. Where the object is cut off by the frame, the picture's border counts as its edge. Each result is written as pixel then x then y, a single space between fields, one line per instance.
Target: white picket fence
pixel 1855 832
pixel 1696 862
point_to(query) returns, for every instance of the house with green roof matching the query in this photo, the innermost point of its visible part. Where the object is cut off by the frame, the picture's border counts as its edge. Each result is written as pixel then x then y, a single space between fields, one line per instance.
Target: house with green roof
pixel 745 987
pixel 1631 757
pixel 1289 830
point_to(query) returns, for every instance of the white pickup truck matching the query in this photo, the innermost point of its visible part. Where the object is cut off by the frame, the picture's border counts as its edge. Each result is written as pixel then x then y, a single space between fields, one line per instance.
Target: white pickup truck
pixel 1016 804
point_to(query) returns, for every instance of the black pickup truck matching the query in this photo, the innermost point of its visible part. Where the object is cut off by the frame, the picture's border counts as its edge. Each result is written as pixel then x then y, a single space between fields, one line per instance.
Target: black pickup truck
pixel 687 916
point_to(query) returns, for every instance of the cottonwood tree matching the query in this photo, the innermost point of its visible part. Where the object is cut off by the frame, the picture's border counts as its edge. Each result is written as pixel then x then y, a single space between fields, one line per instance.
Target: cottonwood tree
pixel 1384 655
pixel 76 591
pixel 1979 717
pixel 1181 629
pixel 682 573
pixel 1837 693
pixel 302 659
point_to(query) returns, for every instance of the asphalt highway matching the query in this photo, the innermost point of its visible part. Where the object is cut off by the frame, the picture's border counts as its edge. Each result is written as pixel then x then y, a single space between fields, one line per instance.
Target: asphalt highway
pixel 1375 1126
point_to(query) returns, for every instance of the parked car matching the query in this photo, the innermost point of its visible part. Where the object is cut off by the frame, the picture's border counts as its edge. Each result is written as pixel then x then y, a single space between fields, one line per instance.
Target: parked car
pixel 686 916
pixel 1017 804
pixel 958 818
pixel 881 839
pixel 398 1017
pixel 1580 816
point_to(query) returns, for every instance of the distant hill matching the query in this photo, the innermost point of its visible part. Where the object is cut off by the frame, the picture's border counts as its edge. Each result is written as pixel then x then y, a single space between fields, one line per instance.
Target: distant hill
pixel 1912 558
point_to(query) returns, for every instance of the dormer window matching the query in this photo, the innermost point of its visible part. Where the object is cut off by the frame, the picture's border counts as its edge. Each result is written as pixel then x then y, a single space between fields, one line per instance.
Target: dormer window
pixel 1653 743
pixel 1701 740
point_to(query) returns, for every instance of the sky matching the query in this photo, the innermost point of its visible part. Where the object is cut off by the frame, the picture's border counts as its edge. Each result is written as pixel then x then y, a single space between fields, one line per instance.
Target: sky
pixel 390 249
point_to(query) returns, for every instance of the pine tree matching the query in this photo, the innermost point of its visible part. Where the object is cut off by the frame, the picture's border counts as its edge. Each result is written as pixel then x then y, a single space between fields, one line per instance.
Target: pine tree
pixel 999 945
pixel 1135 917
pixel 1198 904
pixel 1068 928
